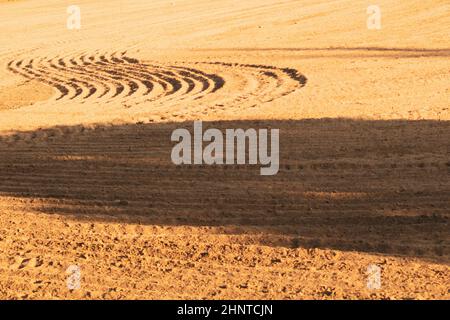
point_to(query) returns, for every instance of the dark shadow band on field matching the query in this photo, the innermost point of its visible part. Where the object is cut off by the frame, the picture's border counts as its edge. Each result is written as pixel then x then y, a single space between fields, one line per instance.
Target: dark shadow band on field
pixel 353 185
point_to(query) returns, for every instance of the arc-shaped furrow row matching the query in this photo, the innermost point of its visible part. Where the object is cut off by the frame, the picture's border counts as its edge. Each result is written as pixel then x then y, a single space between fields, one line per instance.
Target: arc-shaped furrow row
pixel 294 74
pixel 174 83
pixel 133 65
pixel 268 84
pixel 52 81
pixel 44 75
pixel 190 86
pixel 206 81
pixel 109 86
pixel 108 77
pixel 174 80
pixel 25 68
pixel 14 66
pixel 85 64
pixel 190 75
pixel 86 86
pixel 146 78
pixel 128 83
pixel 244 81
pixel 268 70
pixel 217 80
pixel 93 84
pixel 196 75
pixel 90 68
pixel 50 69
pixel 116 71
pixel 149 80
pixel 288 79
pixel 173 75
pixel 271 85
pixel 193 85
pixel 252 87
pixel 168 79
pixel 171 84
pixel 281 89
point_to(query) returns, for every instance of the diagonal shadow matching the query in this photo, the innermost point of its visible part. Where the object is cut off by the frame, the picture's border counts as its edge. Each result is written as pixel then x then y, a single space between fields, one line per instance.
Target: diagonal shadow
pixel 369 186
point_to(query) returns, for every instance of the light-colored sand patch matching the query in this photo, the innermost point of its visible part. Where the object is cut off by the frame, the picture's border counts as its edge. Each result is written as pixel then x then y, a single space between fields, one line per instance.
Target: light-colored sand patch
pixel 24 94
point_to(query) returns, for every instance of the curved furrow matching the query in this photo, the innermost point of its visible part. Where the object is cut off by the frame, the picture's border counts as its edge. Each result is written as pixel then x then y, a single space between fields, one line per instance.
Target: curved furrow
pixel 32 72
pixel 150 80
pixel 133 84
pixel 180 84
pixel 145 76
pixel 78 86
pixel 217 80
pixel 126 82
pixel 87 87
pixel 267 84
pixel 170 85
pixel 199 85
pixel 43 76
pixel 46 74
pixel 14 67
pixel 90 68
pixel 91 81
pixel 107 78
pixel 193 86
pixel 154 74
pixel 77 65
pixel 287 80
pixel 194 75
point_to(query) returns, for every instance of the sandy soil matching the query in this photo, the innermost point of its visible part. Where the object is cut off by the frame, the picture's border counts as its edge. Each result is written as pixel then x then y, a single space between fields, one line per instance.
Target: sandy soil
pixel 86 177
